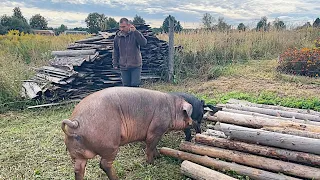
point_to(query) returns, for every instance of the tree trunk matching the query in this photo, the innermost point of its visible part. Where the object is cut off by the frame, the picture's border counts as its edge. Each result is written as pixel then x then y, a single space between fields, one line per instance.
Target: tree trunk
pixel 285 155
pixel 253 173
pixel 259 122
pixel 270 138
pixel 73 52
pixel 253 160
pixel 275 112
pixel 270 117
pixel 246 103
pixel 198 172
pixel 285 130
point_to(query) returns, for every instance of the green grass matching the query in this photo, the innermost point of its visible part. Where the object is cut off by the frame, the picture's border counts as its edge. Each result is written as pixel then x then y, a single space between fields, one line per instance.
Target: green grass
pixel 33 148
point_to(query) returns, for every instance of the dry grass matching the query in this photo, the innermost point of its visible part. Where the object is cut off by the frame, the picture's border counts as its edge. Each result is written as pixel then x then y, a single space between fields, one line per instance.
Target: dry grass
pixel 20 54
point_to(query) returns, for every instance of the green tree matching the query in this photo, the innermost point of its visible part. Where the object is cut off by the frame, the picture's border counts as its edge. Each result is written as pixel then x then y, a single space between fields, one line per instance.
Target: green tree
pixel 3 30
pixel 60 29
pixel 95 22
pixel 138 20
pixel 262 24
pixel 110 23
pixel 278 24
pixel 14 23
pixel 222 25
pixel 18 14
pixel 38 22
pixel 316 23
pixel 207 20
pixel 165 25
pixel 242 27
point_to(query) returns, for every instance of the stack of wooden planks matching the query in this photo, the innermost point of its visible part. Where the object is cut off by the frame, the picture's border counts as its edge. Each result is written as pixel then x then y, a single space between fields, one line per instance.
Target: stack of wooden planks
pixel 86 66
pixel 254 140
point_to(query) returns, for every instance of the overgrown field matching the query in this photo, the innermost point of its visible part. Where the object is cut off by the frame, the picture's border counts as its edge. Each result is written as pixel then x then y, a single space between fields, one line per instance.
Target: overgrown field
pixel 20 54
pixel 31 141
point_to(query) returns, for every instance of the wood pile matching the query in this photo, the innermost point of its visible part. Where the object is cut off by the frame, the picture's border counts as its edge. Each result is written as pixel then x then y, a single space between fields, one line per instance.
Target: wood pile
pixel 254 140
pixel 86 66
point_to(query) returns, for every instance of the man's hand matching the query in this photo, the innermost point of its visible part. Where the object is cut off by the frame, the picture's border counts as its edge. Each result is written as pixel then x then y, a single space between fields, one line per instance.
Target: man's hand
pixel 132 28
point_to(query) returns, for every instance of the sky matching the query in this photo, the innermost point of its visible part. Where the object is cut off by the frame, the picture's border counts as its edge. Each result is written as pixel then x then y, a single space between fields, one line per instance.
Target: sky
pixel 72 13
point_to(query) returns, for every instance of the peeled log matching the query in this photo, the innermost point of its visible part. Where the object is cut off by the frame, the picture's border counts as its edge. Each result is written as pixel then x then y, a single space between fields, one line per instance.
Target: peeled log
pixel 73 52
pixel 285 155
pixel 292 131
pixel 286 141
pixel 259 122
pixel 246 103
pixel 223 166
pixel 198 172
pixel 253 160
pixel 273 112
pixel 272 117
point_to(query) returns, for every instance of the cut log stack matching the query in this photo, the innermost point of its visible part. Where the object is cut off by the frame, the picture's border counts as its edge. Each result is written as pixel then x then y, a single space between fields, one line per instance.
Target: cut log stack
pixel 255 140
pixel 86 66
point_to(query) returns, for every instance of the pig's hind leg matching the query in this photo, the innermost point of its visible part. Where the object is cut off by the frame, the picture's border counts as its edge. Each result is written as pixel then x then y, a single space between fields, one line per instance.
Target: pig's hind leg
pixel 106 164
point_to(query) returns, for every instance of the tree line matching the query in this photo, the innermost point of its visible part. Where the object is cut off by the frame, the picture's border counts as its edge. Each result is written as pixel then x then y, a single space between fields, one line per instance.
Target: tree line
pixel 96 22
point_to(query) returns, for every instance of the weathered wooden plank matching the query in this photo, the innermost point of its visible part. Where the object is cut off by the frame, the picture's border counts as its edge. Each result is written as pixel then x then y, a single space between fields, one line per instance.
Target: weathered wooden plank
pixel 73 53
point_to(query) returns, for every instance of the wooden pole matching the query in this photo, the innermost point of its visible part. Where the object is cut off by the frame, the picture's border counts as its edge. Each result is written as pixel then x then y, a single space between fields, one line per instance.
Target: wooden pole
pixel 247 103
pixel 253 160
pixel 199 172
pixel 260 122
pixel 273 112
pixel 292 131
pixel 283 154
pixel 272 117
pixel 224 166
pixel 171 48
pixel 274 139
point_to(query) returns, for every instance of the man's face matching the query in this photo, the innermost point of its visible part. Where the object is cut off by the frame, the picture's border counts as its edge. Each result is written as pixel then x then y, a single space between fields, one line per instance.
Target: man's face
pixel 124 27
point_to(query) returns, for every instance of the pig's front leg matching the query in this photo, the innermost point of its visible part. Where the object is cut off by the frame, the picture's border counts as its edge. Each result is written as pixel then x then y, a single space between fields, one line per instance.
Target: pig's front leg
pixel 187 133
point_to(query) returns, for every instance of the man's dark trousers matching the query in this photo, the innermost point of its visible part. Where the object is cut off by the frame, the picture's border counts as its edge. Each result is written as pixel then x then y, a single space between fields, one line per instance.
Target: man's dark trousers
pixel 131 77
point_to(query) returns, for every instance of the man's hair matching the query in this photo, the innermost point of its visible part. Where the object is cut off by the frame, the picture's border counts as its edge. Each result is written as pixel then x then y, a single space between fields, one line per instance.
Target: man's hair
pixel 124 20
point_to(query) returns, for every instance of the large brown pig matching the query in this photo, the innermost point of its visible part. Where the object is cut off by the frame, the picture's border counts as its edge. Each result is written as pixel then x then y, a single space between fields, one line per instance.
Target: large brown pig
pixel 110 118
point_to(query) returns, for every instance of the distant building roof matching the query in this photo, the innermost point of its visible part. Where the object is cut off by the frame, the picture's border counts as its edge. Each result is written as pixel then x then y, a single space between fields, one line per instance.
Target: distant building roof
pixel 75 32
pixel 43 31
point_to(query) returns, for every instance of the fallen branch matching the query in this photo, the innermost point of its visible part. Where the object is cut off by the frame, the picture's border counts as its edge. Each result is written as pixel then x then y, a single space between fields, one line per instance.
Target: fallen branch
pixel 253 160
pixel 285 155
pixel 223 166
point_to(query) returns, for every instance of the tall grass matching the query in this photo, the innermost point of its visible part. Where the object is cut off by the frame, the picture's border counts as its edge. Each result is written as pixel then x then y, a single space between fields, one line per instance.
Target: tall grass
pixel 20 54
pixel 204 50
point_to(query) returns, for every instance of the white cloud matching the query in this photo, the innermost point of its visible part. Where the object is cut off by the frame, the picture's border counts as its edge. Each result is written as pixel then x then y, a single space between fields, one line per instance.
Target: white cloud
pixel 189 11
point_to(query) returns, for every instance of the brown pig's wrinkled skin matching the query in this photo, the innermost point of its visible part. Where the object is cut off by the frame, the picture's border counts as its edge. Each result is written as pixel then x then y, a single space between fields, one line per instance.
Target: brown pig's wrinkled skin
pixel 110 118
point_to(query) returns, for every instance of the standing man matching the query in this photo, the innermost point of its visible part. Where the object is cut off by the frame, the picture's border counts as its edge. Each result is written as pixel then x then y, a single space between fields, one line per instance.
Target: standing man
pixel 126 53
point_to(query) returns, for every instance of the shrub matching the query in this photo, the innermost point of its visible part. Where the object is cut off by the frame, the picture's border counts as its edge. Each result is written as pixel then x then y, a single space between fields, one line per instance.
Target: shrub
pixel 305 61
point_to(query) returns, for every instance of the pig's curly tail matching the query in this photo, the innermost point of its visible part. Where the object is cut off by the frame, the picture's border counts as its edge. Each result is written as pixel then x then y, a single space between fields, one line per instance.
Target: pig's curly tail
pixel 71 124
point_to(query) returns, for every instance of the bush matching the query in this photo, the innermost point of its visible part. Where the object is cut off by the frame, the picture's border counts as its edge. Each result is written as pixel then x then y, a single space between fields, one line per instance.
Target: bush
pixel 305 61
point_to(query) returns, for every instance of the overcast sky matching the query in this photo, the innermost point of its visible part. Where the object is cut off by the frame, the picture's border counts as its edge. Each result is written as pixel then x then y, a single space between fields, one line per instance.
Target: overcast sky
pixel 72 13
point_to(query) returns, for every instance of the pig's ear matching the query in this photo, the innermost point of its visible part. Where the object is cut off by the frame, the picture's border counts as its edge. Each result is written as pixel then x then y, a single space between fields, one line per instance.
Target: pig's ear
pixel 187 108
